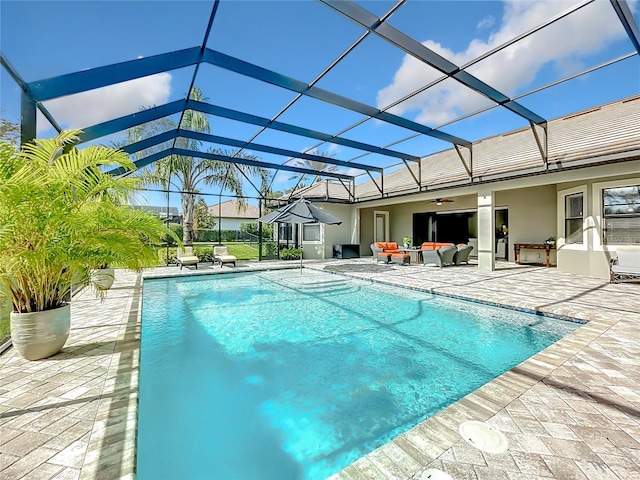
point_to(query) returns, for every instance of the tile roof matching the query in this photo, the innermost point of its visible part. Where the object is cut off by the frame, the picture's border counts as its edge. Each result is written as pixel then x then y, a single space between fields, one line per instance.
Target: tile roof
pixel 232 209
pixel 585 137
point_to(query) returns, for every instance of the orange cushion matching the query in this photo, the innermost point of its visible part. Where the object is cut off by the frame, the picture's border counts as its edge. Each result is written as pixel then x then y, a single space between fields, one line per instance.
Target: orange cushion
pixel 434 245
pixel 387 246
pixel 400 255
pixel 428 246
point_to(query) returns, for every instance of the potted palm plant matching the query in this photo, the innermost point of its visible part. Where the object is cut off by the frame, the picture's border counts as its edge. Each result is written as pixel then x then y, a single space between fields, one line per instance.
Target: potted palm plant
pixel 62 216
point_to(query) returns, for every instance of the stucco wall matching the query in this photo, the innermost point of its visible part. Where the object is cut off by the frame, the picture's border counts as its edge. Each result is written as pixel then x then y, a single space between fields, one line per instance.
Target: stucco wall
pixel 536 212
pixel 401 218
pixel 592 256
pixel 346 232
pixel 532 218
pixel 233 223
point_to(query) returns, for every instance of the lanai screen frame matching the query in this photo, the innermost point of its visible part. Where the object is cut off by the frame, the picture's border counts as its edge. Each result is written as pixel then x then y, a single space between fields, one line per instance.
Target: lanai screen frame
pixel 34 93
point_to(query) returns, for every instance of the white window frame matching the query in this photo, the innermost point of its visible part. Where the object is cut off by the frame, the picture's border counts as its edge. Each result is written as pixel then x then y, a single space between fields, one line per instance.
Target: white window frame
pixel 320 233
pixel 597 189
pixel 561 206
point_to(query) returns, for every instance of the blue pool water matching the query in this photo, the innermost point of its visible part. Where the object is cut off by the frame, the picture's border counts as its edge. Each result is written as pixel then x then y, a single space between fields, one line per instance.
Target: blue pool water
pixel 277 375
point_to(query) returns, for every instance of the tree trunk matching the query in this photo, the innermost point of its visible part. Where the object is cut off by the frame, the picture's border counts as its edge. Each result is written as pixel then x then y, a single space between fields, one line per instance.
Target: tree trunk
pixel 188 202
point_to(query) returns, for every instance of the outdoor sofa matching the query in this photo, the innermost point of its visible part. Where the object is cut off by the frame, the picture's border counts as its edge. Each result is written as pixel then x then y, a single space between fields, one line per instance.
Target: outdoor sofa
pixel 185 256
pixel 626 267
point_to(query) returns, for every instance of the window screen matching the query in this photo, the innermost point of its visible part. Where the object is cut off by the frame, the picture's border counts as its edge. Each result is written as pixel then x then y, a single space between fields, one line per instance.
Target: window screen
pixel 573 218
pixel 311 232
pixel 621 208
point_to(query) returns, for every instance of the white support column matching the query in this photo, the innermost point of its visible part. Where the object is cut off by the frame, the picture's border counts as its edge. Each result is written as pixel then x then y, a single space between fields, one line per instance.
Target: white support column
pixel 486 231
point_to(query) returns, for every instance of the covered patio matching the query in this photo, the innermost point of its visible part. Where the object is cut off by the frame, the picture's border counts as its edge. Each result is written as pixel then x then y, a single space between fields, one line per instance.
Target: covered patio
pixel 570 411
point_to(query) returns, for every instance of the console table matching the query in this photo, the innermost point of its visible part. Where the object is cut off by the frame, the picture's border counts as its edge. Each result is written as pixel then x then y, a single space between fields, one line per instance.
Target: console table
pixel 346 250
pixel 534 246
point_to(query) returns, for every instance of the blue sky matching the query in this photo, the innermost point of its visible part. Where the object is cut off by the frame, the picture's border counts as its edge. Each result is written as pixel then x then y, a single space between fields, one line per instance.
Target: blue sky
pixel 300 39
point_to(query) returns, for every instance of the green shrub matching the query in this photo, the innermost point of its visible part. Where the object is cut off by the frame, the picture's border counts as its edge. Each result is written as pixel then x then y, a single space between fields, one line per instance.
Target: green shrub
pixel 270 250
pixel 162 255
pixel 204 254
pixel 175 228
pixel 290 254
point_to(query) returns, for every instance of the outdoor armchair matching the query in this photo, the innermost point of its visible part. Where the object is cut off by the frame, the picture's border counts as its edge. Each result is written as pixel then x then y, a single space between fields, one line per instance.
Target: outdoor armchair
pixel 221 254
pixel 185 256
pixel 441 257
pixel 462 255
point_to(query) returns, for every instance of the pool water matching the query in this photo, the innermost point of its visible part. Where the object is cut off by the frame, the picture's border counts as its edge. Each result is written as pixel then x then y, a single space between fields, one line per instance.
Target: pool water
pixel 277 375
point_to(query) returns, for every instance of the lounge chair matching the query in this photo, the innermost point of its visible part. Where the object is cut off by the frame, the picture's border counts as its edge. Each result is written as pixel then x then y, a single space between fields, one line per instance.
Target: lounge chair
pixel 441 257
pixel 221 254
pixel 462 255
pixel 625 268
pixel 186 257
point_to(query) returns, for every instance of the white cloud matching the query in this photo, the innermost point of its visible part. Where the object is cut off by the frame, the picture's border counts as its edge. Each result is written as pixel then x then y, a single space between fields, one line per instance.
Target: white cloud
pixel 486 22
pixel 564 45
pixel 282 178
pixel 102 104
pixel 333 148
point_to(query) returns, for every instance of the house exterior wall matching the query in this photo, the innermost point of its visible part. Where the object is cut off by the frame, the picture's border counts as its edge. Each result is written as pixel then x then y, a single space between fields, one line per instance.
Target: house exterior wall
pixel 346 232
pixel 536 212
pixel 532 218
pixel 592 257
pixel 233 223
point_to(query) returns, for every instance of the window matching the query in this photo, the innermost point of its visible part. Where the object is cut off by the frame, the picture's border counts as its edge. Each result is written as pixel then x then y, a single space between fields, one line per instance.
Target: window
pixel 573 218
pixel 621 208
pixel 311 232
pixel 286 232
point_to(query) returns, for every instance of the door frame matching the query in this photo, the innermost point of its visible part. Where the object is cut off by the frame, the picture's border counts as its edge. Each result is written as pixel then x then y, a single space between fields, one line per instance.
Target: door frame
pixel 385 214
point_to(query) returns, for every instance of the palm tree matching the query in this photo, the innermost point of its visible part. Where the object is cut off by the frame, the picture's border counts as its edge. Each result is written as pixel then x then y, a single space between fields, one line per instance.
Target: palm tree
pixel 188 173
pixel 315 165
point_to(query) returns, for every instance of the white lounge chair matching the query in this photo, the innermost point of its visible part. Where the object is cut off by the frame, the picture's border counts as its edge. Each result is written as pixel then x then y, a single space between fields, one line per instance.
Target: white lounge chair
pixel 626 267
pixel 221 254
pixel 186 257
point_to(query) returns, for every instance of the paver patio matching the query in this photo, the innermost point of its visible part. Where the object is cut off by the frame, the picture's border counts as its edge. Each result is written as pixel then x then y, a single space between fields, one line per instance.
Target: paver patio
pixel 571 411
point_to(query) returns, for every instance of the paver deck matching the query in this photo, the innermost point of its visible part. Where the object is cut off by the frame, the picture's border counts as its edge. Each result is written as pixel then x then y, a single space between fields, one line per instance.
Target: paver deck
pixel 570 412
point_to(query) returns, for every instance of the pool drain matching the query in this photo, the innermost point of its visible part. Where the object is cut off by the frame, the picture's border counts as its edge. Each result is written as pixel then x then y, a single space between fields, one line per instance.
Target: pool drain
pixel 435 474
pixel 483 437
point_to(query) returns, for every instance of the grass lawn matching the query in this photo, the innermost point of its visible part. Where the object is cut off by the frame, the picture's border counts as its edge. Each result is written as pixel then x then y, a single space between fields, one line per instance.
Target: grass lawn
pixel 243 251
pixel 5 309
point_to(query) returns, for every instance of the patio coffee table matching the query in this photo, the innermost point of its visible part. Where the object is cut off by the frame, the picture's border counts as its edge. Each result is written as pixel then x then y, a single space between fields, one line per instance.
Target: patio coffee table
pixel 412 251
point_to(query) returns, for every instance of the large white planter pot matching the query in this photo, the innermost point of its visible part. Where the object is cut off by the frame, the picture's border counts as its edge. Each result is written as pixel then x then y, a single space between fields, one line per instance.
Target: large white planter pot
pixel 39 335
pixel 103 278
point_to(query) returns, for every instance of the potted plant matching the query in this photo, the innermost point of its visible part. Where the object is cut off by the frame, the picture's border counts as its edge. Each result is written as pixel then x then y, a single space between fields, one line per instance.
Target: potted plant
pixel 61 216
pixel 406 241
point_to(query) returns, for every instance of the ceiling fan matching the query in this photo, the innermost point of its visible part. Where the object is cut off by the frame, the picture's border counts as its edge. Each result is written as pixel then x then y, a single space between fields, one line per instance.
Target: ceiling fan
pixel 440 201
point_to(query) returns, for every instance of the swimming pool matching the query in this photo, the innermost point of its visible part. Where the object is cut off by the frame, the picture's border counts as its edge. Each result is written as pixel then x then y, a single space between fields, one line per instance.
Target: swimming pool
pixel 277 375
